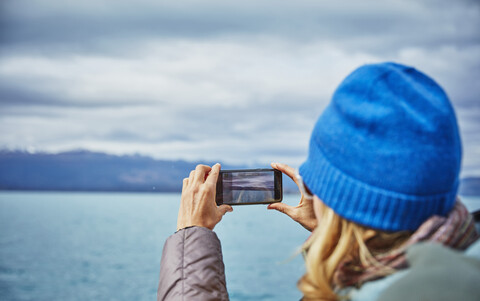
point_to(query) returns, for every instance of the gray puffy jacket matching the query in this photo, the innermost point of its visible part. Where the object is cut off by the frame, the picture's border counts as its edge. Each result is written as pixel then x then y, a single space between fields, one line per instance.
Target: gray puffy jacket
pixel 192 267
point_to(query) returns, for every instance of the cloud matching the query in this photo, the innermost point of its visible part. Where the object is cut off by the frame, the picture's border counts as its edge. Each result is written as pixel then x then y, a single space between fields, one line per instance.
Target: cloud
pixel 373 25
pixel 219 92
pixel 214 80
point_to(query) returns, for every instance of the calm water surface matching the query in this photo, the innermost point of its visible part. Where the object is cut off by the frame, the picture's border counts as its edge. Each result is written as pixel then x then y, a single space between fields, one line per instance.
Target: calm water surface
pixel 107 246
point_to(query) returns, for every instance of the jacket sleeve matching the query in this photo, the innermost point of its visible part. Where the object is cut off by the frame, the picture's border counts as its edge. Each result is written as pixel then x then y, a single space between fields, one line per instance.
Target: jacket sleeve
pixel 192 267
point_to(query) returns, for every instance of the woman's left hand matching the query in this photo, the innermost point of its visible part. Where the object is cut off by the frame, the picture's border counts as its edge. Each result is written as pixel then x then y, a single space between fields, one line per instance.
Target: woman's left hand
pixel 198 207
pixel 303 213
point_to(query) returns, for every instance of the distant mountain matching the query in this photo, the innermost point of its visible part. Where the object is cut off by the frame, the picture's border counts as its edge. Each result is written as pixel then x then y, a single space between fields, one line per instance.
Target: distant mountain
pixel 90 171
pixel 470 186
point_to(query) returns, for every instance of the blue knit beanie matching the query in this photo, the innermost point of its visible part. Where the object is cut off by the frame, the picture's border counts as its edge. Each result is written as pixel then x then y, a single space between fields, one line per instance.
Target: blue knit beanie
pixel 386 152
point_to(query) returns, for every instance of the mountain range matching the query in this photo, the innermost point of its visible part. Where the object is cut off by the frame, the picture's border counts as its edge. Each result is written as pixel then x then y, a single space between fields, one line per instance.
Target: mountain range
pixel 90 171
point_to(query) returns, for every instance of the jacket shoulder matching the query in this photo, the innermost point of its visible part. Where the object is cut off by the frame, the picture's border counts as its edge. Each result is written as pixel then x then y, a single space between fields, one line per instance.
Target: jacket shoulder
pixel 438 273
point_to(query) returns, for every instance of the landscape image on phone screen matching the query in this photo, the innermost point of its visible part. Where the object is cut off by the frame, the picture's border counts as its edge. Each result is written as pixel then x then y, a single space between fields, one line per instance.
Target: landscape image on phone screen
pixel 248 187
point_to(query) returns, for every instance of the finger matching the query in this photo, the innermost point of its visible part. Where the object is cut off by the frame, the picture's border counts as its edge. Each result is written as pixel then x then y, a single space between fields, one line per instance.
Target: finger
pixel 213 175
pixel 191 176
pixel 200 172
pixel 284 168
pixel 292 174
pixel 185 184
pixel 224 209
pixel 284 208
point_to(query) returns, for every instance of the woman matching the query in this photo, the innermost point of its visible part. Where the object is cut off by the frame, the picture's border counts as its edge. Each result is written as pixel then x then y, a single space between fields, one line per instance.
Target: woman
pixel 381 176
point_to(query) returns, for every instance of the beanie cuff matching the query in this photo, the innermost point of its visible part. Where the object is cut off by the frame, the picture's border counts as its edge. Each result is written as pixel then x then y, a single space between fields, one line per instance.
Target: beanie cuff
pixel 368 205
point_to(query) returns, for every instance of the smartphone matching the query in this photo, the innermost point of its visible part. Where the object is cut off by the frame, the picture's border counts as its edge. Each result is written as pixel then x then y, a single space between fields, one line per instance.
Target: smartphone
pixel 249 186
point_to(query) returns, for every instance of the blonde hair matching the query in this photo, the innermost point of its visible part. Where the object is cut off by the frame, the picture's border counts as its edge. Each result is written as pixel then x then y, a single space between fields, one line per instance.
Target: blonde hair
pixel 334 240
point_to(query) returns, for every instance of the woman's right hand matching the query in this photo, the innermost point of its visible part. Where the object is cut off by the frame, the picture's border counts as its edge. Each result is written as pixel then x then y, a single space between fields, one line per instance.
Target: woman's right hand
pixel 303 213
pixel 198 206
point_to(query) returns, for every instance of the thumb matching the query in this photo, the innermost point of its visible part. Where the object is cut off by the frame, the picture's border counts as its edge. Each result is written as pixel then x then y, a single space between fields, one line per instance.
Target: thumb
pixel 224 209
pixel 284 208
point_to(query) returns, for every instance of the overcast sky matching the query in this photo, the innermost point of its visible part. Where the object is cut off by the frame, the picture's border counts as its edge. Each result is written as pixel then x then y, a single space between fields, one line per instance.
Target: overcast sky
pixel 231 81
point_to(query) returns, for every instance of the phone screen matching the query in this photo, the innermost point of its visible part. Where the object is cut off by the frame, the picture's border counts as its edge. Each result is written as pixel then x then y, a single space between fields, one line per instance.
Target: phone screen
pixel 249 186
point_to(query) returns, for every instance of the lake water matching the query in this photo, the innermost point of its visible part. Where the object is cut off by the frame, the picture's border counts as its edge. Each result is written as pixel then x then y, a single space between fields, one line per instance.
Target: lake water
pixel 107 246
